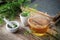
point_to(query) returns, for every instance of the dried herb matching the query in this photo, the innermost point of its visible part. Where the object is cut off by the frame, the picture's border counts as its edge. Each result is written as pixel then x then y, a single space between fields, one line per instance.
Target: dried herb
pixel 26 32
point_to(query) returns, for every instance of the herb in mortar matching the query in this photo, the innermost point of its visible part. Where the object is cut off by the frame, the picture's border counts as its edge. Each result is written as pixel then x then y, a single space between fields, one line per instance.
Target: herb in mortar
pixel 12 27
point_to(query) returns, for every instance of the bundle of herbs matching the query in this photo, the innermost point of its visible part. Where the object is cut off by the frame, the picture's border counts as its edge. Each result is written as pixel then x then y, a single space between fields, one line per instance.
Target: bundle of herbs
pixel 11 9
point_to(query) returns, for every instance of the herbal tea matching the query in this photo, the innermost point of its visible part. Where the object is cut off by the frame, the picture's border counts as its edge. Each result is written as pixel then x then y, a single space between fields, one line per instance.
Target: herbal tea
pixel 38 25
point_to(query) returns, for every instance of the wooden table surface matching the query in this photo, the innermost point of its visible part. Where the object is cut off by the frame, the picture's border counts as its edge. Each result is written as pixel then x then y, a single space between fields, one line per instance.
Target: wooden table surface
pixel 19 35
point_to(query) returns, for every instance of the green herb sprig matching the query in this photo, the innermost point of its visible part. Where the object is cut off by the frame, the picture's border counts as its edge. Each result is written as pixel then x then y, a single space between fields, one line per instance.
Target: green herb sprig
pixel 25 13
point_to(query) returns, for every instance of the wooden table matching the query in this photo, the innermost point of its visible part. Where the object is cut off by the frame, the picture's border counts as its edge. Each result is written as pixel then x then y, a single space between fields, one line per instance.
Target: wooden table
pixel 20 34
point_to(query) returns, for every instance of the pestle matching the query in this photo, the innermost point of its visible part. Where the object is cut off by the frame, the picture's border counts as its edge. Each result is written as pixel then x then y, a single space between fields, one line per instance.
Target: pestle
pixel 8 22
